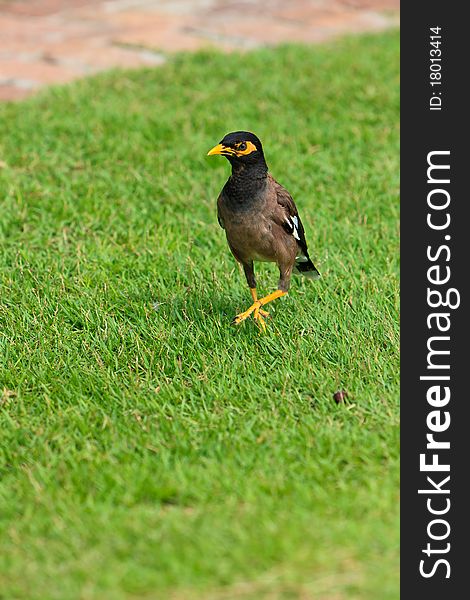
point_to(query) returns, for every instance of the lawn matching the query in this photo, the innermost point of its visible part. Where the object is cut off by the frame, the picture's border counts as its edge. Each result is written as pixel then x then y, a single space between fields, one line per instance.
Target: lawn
pixel 149 449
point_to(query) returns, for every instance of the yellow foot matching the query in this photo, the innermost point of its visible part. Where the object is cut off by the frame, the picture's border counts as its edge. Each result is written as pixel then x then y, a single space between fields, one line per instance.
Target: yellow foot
pixel 255 308
pixel 259 313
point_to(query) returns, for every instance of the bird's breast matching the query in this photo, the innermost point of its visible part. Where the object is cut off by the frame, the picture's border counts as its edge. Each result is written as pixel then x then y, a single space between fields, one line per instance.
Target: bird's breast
pixel 250 236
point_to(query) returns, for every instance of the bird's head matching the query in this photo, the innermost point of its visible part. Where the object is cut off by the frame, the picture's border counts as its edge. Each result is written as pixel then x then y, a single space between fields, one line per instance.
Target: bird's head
pixel 241 148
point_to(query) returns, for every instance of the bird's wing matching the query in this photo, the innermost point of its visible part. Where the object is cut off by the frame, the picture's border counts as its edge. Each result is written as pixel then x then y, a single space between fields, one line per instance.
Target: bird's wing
pixel 287 215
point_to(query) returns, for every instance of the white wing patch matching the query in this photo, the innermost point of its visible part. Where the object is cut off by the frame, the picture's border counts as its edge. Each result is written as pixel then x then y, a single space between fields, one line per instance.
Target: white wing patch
pixel 294 224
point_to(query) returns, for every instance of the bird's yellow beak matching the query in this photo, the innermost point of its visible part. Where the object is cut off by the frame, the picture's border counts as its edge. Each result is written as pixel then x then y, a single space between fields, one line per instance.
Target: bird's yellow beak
pixel 220 149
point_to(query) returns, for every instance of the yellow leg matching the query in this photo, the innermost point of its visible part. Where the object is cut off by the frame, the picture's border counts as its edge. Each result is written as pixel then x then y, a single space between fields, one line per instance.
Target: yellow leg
pixel 256 307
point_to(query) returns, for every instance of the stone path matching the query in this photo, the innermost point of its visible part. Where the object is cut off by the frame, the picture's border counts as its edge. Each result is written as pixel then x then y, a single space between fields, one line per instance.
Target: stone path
pixel 45 42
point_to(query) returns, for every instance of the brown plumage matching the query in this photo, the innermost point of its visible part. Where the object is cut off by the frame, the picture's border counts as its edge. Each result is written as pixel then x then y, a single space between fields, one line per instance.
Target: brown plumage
pixel 260 219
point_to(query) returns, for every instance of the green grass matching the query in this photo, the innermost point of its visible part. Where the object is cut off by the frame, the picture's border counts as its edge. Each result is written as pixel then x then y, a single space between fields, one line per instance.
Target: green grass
pixel 148 448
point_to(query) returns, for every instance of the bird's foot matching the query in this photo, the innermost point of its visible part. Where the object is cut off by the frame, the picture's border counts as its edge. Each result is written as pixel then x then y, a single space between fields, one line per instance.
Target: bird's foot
pixel 258 315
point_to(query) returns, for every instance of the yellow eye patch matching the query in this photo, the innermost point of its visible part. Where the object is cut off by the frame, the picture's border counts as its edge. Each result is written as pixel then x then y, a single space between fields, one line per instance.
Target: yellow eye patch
pixel 250 147
pixel 239 149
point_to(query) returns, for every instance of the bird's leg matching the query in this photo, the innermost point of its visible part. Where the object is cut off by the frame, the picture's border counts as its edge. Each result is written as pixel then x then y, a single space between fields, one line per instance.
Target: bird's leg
pixel 259 313
pixel 250 279
pixel 256 307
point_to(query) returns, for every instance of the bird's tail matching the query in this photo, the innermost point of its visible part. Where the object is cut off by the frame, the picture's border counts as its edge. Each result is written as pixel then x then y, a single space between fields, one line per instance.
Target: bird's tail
pixel 304 266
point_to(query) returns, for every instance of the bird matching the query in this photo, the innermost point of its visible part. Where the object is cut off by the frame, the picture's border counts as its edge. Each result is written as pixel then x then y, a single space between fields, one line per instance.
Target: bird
pixel 260 219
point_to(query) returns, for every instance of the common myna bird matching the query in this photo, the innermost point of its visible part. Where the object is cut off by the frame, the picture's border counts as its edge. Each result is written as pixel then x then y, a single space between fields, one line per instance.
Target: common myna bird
pixel 260 219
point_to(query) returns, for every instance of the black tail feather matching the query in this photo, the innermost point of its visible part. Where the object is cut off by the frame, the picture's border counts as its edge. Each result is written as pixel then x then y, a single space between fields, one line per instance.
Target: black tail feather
pixel 305 266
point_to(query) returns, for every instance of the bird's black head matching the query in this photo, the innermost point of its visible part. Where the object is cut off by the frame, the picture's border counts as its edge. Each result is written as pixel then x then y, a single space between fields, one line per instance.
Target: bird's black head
pixel 242 148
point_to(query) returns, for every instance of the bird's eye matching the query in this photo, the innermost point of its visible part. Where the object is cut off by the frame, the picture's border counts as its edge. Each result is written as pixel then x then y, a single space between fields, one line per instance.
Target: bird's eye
pixel 242 146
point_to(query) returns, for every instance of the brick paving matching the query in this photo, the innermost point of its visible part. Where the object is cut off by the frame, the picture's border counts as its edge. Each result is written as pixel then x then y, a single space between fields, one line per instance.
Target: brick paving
pixel 46 42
